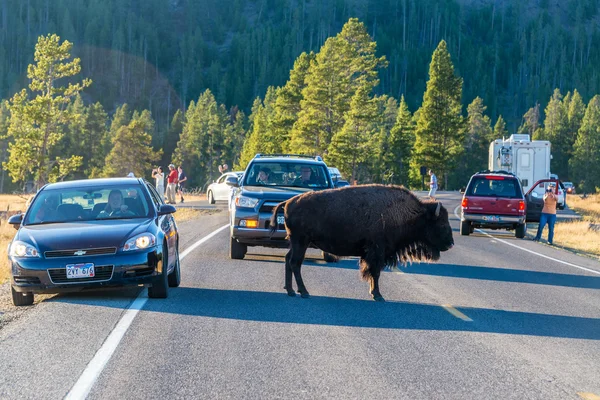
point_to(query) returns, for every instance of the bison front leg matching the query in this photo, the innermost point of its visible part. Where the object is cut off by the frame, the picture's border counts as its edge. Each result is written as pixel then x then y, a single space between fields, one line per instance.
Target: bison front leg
pixel 288 274
pixel 298 251
pixel 375 286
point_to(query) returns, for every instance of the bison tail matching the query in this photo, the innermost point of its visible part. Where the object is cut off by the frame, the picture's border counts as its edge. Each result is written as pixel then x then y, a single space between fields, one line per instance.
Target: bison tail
pixel 273 222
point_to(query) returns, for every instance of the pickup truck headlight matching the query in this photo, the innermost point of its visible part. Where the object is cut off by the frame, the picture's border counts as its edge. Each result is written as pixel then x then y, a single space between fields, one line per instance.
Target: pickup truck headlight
pixel 248 202
pixel 22 249
pixel 140 242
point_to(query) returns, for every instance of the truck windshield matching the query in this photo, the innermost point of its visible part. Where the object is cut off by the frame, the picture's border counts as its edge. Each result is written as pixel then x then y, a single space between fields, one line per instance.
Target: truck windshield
pixel 483 186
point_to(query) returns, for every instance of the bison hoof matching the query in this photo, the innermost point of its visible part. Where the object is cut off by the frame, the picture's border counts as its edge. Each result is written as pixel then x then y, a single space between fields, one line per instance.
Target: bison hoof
pixel 291 293
pixel 378 298
pixel 304 295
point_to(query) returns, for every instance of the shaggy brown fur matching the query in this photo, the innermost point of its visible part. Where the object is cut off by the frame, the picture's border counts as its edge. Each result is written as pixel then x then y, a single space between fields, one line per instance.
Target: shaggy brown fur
pixel 384 225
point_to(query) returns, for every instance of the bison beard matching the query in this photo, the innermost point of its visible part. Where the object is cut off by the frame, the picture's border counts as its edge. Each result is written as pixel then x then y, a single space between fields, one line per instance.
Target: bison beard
pixel 383 225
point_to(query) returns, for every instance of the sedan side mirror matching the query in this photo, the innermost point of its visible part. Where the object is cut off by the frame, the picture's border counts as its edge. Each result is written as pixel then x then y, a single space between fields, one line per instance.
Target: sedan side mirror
pixel 16 220
pixel 462 190
pixel 166 209
pixel 232 181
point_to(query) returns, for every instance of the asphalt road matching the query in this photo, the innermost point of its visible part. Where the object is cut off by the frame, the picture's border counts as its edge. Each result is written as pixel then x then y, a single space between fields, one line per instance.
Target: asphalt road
pixel 496 318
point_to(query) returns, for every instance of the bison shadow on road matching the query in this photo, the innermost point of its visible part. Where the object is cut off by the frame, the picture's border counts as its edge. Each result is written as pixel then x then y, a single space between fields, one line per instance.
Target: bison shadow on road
pixel 457 271
pixel 333 311
pixel 505 275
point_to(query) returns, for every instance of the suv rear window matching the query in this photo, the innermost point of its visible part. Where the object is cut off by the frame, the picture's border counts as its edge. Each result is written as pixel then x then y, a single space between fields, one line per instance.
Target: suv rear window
pixel 494 186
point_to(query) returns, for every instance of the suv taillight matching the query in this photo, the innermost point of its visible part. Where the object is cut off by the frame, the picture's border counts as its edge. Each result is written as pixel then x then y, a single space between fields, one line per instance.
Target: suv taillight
pixel 464 203
pixel 521 205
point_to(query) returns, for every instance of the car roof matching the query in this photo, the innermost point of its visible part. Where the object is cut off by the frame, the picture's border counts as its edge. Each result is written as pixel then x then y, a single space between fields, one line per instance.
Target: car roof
pixel 495 173
pixel 83 183
pixel 286 160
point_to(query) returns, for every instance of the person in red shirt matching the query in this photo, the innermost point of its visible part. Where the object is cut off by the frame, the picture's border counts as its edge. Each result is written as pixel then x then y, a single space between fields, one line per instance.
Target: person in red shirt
pixel 172 180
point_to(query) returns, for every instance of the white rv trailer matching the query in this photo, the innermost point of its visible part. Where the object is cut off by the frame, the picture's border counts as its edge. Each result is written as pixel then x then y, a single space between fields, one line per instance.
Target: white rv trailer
pixel 528 159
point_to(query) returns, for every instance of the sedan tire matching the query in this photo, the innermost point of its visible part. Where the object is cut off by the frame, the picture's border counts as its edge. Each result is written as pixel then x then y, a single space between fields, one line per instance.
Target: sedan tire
pixel 160 287
pixel 211 197
pixel 175 276
pixel 21 299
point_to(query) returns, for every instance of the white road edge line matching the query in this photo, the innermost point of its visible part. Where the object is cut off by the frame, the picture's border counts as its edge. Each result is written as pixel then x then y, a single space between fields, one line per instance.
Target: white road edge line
pixel 530 251
pixel 92 371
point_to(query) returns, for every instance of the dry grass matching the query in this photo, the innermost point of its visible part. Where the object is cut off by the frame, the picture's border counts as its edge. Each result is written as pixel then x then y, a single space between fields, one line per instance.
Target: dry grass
pixel 588 207
pixel 576 235
pixel 7 232
pixel 12 202
pixel 188 214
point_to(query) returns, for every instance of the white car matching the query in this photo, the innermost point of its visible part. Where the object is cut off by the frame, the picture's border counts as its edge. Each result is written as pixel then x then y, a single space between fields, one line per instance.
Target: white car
pixel 219 190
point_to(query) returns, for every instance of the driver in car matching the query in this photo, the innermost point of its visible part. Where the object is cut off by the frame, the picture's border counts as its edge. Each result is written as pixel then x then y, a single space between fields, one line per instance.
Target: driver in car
pixel 47 211
pixel 115 206
pixel 306 177
pixel 264 175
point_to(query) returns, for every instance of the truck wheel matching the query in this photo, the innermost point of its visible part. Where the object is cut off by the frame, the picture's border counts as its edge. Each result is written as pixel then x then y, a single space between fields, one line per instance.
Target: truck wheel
pixel 21 299
pixel 237 251
pixel 465 228
pixel 520 231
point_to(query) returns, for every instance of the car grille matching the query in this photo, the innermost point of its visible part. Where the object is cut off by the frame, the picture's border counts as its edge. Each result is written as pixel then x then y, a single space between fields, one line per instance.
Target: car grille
pixel 86 252
pixel 59 275
pixel 268 207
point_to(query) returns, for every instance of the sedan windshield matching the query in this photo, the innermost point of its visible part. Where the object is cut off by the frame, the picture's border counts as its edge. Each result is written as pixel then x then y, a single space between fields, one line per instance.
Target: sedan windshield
pixel 296 174
pixel 88 204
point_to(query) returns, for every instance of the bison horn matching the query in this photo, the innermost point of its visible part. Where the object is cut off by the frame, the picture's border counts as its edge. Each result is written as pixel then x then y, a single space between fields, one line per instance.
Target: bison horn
pixel 437 209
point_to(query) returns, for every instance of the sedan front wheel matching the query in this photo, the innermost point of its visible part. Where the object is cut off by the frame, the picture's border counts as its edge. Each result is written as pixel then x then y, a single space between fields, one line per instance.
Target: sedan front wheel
pixel 160 287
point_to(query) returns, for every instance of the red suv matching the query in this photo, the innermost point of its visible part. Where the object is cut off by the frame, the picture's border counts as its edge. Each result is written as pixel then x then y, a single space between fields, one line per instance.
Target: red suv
pixel 493 199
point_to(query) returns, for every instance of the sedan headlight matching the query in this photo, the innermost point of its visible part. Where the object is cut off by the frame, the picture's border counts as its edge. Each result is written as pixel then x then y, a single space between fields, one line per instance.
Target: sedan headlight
pixel 140 242
pixel 22 249
pixel 243 201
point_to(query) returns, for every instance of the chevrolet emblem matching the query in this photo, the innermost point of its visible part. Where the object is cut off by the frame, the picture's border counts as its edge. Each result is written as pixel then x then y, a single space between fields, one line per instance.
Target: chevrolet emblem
pixel 79 253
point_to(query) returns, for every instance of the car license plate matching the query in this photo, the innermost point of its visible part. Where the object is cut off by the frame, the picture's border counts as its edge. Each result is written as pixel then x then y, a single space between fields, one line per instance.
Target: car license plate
pixel 280 219
pixel 492 218
pixel 80 271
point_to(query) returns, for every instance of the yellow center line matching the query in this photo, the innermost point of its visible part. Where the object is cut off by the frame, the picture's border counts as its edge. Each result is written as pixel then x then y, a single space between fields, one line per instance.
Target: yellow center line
pixel 456 313
pixel 588 396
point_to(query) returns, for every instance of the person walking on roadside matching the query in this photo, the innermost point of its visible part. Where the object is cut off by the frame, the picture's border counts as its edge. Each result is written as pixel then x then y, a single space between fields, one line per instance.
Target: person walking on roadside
pixel 181 178
pixel 159 176
pixel 548 216
pixel 172 184
pixel 433 185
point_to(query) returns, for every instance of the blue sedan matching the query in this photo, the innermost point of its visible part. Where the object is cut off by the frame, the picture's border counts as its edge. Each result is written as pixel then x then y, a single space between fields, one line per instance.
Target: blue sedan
pixel 94 233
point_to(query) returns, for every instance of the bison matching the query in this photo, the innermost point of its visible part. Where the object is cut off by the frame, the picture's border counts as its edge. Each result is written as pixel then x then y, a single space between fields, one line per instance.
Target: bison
pixel 383 225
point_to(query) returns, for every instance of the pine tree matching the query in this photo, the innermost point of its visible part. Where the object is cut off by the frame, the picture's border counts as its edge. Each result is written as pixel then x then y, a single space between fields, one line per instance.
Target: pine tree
pixel 4 122
pixel 575 114
pixel 343 64
pixel 530 125
pixel 440 127
pixel 402 139
pixel 95 126
pixel 350 146
pixel 172 137
pixel 556 125
pixel 132 148
pixel 479 134
pixel 585 164
pixel 287 103
pixel 387 112
pixel 36 125
pixel 500 131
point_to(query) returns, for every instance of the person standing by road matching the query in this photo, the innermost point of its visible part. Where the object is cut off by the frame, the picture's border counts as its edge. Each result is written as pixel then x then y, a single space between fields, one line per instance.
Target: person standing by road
pixel 172 184
pixel 548 216
pixel 159 176
pixel 433 184
pixel 181 178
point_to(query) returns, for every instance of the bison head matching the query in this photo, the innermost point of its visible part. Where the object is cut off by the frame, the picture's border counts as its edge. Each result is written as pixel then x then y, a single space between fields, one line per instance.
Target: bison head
pixel 438 232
